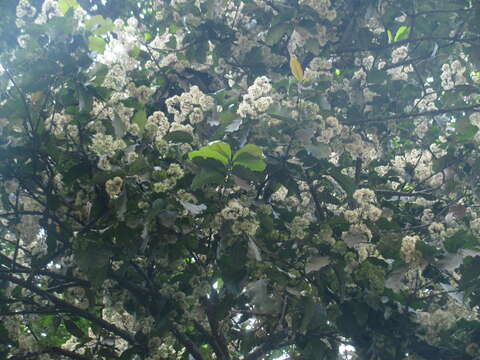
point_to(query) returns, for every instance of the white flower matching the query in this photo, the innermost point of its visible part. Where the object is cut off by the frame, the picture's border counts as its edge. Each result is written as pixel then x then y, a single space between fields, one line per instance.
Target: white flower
pixel 407 249
pixel 113 187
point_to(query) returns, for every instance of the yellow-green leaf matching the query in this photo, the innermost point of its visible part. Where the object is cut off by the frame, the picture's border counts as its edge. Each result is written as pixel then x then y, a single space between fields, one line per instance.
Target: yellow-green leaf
pixel 65 5
pixel 402 33
pixel 97 44
pixel 296 68
pixel 390 36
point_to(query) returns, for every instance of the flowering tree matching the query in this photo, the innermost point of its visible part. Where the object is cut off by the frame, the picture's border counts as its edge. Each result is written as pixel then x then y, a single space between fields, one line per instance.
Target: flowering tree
pixel 239 179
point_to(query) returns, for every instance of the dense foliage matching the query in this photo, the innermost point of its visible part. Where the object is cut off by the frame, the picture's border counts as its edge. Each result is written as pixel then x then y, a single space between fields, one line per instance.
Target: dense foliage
pixel 239 179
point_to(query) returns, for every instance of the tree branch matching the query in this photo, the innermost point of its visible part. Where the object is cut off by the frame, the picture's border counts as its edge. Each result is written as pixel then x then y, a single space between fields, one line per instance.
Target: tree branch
pixel 61 304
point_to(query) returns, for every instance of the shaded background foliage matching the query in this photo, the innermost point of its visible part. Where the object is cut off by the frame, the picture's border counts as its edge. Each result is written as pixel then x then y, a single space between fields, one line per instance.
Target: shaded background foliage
pixel 323 219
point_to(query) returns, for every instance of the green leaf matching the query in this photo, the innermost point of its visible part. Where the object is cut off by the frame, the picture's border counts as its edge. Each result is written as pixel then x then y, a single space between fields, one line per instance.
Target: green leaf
pixel 467 133
pixel 251 157
pixel 460 240
pixel 140 118
pixel 98 25
pixel 73 329
pixel 308 308
pixel 319 151
pixel 402 33
pixel 96 44
pixel 217 150
pixel 251 149
pixel 346 182
pixel 427 251
pixel 207 177
pixel 65 5
pixel 390 36
pixel 276 33
pixel 250 162
pixel 179 137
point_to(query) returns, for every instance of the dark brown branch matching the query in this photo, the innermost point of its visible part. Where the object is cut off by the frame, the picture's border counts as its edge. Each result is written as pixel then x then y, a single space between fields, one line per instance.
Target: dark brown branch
pixel 189 345
pixel 221 344
pixel 65 306
pixel 273 342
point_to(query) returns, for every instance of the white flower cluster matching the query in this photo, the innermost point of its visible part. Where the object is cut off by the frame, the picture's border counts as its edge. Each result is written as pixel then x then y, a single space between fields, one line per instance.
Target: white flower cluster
pixel 143 93
pixel 436 323
pixel 366 210
pixel 330 128
pixel 118 48
pixel 299 227
pixel 399 54
pixel 437 230
pixel 475 225
pixel 318 67
pixel 105 146
pixel 161 56
pixel 400 72
pixel 407 249
pixel 475 120
pixel 248 227
pixel 256 101
pixel 241 216
pixel 422 161
pixel 157 126
pixel 427 101
pixel 59 125
pixel 234 210
pixel 25 9
pixel 113 187
pixel 322 7
pixel 172 175
pixel 280 195
pixel 190 106
pixel 360 148
pixel 453 75
pixel 49 10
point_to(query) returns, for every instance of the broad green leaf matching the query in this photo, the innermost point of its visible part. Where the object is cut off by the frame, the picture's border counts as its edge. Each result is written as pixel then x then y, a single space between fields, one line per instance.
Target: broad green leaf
pixel 251 157
pixel 276 33
pixel 65 5
pixel 250 162
pixel 96 44
pixel 221 148
pixel 207 177
pixel 461 239
pixel 218 150
pixel 319 151
pixel 315 263
pixel 98 25
pixel 251 149
pixel 402 33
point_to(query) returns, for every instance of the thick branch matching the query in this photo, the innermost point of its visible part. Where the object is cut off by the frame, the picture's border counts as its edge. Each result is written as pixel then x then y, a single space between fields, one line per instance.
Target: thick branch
pixel 273 342
pixel 63 305
pixel 189 345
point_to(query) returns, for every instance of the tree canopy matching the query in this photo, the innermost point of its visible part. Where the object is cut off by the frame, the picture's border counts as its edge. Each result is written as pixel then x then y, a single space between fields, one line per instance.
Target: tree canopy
pixel 240 179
